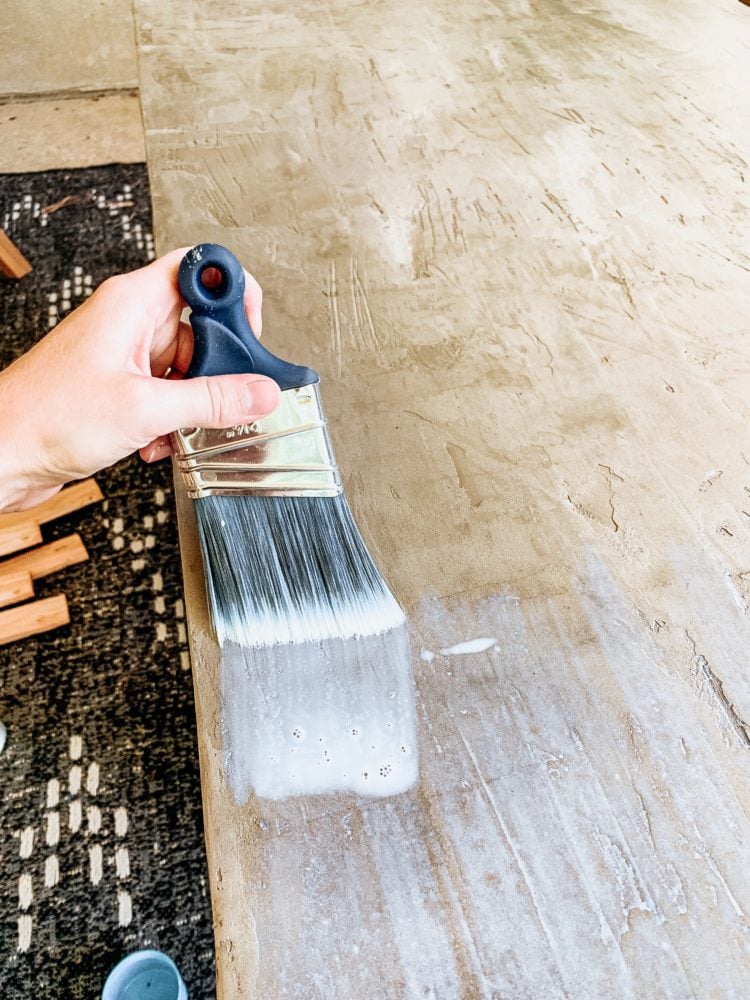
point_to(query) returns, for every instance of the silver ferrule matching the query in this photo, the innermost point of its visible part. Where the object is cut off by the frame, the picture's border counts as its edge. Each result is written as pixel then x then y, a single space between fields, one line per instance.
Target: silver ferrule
pixel 287 453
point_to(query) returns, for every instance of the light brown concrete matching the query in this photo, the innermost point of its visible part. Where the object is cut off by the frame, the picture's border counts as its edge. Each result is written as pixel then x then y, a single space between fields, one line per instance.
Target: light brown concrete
pixel 66 46
pixel 67 86
pixel 60 134
pixel 514 240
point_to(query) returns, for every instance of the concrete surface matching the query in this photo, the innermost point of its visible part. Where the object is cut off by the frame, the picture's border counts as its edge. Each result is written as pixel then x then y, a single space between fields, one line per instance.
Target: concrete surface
pixel 514 240
pixel 66 46
pixel 68 81
pixel 83 132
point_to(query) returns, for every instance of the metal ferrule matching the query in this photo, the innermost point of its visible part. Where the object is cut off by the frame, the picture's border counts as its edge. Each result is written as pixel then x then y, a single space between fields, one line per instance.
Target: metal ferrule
pixel 287 453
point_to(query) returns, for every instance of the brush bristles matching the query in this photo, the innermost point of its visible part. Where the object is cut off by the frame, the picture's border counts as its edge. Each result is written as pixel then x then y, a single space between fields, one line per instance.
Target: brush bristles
pixel 290 569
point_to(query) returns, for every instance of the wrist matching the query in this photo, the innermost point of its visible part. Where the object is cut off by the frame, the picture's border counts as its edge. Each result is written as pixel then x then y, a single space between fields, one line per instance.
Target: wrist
pixel 19 489
pixel 16 491
pixel 19 493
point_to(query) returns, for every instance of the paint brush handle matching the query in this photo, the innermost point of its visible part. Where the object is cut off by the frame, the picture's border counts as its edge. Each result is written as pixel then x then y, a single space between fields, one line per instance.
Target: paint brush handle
pixel 223 343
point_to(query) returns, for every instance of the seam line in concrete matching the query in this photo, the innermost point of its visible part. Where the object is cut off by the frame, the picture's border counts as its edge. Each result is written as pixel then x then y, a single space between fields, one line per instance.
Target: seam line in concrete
pixel 67 95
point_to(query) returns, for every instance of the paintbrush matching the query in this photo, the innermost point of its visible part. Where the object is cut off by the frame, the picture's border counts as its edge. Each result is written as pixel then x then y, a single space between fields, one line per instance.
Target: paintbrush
pixel 284 561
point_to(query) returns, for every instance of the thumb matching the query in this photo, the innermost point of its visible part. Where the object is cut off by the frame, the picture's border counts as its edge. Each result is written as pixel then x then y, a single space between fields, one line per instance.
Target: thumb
pixel 213 401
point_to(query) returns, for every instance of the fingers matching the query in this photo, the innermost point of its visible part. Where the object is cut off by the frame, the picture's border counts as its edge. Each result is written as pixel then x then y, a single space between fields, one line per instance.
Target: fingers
pixel 253 303
pixel 219 401
pixel 172 358
pixel 158 294
pixel 157 449
pixel 155 288
pixel 163 272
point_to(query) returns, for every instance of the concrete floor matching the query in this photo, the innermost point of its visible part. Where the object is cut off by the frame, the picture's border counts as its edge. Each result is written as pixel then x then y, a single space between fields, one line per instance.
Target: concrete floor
pixel 68 86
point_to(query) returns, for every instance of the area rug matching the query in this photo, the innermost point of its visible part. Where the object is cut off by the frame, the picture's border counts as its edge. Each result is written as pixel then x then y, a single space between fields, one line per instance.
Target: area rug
pixel 100 823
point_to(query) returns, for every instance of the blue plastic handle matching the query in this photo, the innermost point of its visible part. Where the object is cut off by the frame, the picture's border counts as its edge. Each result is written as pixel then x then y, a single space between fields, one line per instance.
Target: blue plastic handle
pixel 223 343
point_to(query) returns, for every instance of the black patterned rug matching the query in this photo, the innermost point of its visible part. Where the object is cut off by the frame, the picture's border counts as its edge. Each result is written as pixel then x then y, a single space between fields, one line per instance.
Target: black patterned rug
pixel 101 839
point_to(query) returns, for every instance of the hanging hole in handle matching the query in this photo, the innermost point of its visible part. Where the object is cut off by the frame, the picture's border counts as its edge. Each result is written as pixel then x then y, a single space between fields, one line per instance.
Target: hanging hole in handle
pixel 213 282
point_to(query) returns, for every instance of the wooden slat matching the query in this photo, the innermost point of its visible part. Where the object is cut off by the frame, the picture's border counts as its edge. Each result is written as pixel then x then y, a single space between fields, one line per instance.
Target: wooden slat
pixel 19 535
pixel 15 587
pixel 13 264
pixel 68 500
pixel 30 619
pixel 20 529
pixel 46 559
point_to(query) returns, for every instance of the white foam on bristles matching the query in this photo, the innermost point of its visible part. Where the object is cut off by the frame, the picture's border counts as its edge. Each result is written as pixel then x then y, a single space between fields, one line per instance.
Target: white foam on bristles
pixel 312 624
pixel 319 717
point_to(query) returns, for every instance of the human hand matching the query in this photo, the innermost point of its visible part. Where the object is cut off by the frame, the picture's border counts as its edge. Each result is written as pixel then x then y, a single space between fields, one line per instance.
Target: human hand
pixel 107 381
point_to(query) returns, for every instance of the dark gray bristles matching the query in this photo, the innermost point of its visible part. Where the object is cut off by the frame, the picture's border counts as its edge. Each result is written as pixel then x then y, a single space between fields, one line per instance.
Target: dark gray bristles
pixel 283 569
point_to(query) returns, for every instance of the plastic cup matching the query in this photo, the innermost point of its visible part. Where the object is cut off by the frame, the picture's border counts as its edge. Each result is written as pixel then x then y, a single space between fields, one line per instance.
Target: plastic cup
pixel 145 975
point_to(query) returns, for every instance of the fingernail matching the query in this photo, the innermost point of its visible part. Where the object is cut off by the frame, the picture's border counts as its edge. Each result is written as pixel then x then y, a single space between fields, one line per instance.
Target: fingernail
pixel 260 396
pixel 160 448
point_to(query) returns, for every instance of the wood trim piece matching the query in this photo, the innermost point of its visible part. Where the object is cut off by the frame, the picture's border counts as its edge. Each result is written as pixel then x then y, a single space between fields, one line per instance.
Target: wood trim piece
pixel 68 500
pixel 13 264
pixel 30 619
pixel 15 587
pixel 18 536
pixel 20 530
pixel 46 559
pixel 71 498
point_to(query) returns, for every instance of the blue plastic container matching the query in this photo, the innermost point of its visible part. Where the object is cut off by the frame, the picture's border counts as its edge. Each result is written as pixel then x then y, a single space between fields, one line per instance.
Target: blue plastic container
pixel 145 975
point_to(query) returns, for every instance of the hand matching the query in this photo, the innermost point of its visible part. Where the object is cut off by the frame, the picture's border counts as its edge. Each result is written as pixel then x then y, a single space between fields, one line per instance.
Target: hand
pixel 108 380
